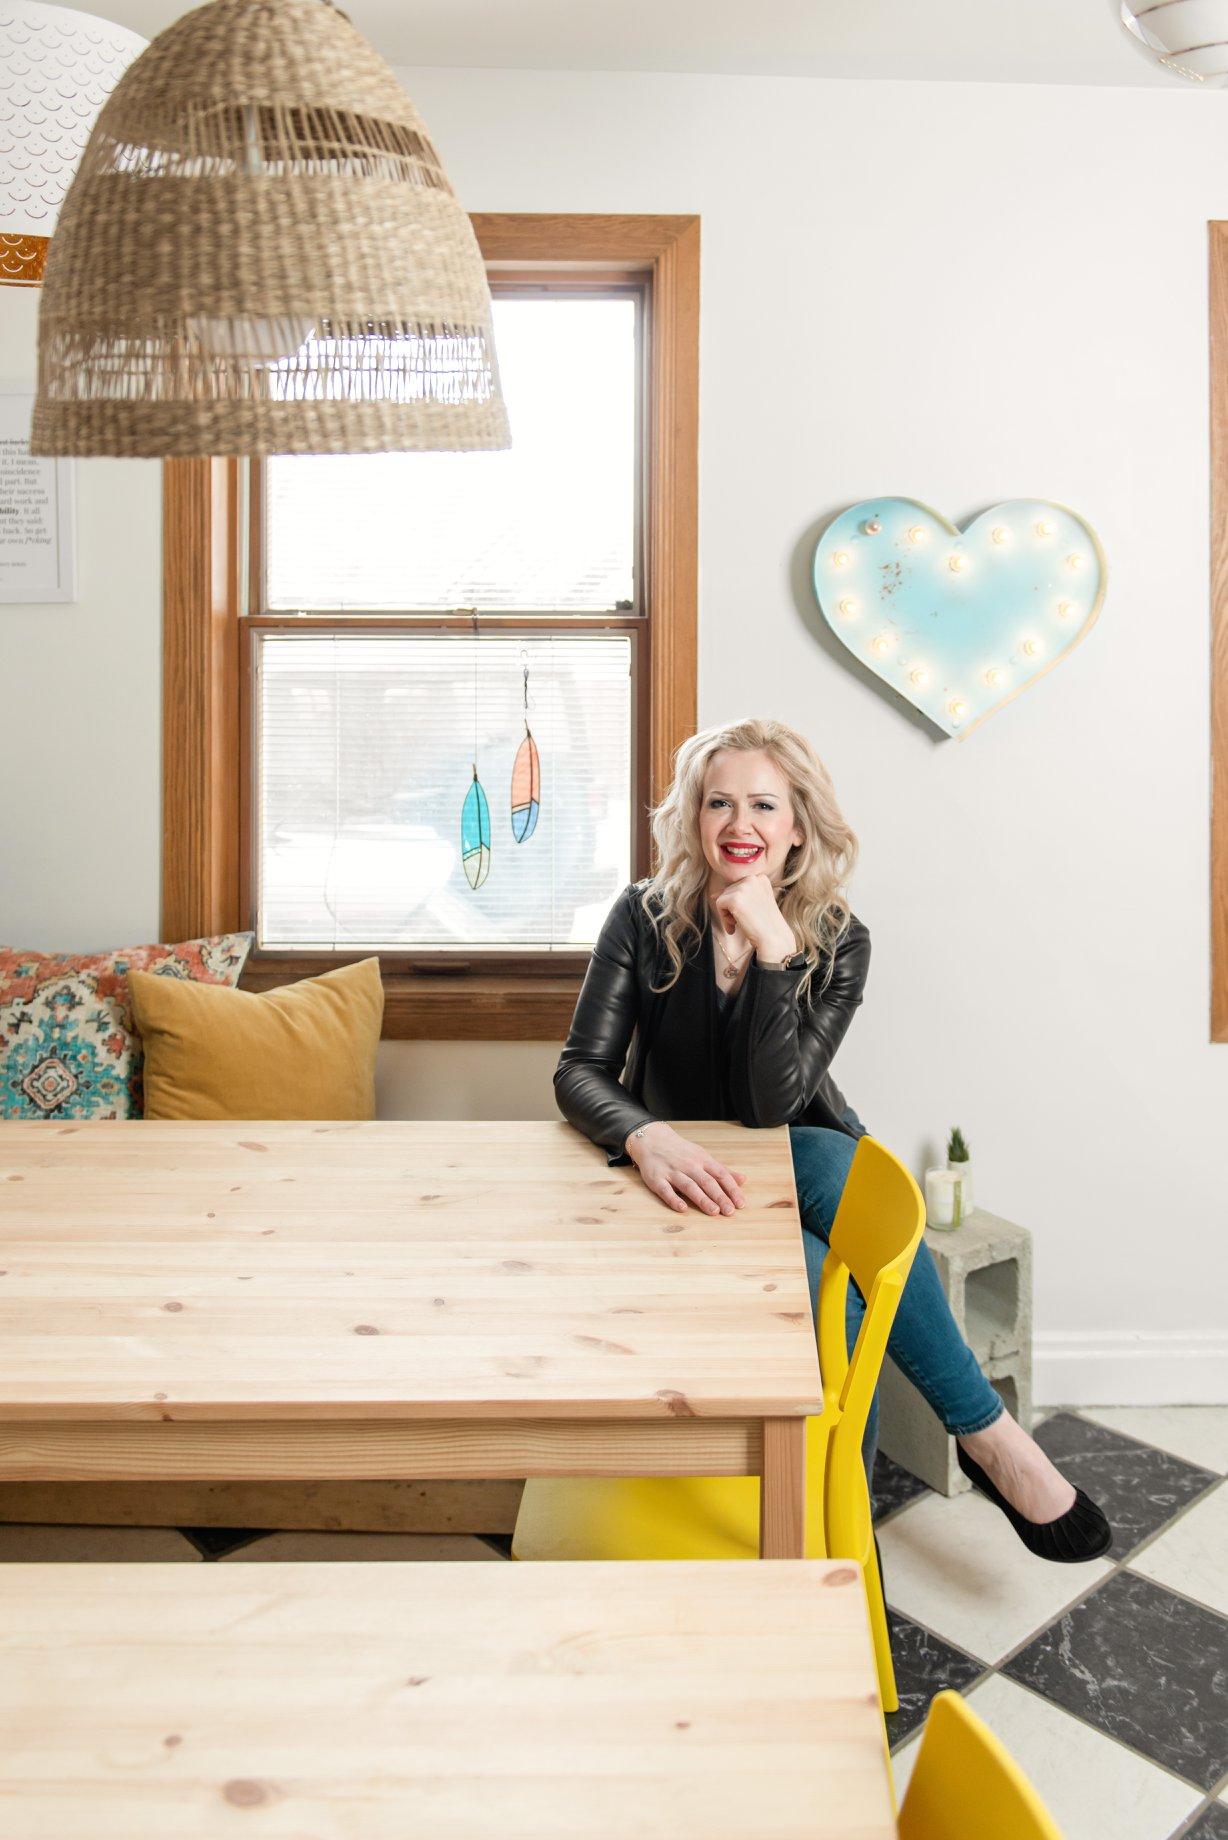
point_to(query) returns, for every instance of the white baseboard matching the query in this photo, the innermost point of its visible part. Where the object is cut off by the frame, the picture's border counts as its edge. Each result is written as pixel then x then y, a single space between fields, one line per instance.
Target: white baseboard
pixel 1130 1367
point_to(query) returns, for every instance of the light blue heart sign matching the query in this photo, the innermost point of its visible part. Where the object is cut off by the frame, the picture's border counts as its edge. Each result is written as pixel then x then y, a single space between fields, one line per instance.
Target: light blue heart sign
pixel 959 622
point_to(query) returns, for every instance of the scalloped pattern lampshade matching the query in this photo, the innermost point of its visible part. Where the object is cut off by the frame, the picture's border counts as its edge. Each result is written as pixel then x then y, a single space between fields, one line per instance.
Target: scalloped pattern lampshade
pixel 1188 37
pixel 57 68
pixel 261 254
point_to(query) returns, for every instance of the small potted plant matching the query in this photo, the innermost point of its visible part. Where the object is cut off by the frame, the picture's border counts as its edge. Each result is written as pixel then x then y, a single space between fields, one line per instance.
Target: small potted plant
pixel 959 1161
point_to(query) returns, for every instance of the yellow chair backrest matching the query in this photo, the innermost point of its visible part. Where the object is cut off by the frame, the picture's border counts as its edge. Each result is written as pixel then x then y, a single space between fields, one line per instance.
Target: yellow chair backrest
pixel 877 1229
pixel 966 1785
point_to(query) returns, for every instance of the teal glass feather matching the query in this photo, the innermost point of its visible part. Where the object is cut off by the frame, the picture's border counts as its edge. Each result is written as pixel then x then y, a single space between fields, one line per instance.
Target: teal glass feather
pixel 475 834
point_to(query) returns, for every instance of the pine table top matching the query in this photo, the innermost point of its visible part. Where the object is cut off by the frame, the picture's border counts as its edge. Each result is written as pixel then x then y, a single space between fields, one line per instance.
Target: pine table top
pixel 389 1270
pixel 701 1701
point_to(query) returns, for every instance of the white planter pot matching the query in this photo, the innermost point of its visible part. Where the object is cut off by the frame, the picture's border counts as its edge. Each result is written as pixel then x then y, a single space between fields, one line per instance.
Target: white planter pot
pixel 947 1203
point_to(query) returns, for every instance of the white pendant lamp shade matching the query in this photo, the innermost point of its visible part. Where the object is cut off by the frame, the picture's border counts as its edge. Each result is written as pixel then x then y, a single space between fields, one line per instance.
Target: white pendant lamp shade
pixel 1188 37
pixel 57 68
pixel 261 254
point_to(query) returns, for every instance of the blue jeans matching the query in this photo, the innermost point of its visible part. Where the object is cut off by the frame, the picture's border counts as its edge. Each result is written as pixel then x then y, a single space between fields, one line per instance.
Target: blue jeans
pixel 925 1342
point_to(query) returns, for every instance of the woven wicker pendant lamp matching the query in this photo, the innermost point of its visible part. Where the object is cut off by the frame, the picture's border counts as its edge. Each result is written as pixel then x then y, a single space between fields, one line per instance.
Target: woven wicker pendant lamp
pixel 261 254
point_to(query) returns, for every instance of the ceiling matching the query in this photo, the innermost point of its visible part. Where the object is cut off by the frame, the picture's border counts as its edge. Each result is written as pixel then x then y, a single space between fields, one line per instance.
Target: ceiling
pixel 970 41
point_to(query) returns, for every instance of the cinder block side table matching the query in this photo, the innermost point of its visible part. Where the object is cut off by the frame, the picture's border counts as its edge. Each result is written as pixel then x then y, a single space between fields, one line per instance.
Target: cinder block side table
pixel 985 1268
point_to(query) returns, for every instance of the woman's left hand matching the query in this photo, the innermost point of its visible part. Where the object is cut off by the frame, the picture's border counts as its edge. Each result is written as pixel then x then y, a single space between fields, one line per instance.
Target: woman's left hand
pixel 750 906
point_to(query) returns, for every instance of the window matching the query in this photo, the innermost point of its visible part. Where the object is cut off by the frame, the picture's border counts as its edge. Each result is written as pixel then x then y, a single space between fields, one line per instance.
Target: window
pixel 367 741
pixel 365 758
pixel 547 527
pixel 408 618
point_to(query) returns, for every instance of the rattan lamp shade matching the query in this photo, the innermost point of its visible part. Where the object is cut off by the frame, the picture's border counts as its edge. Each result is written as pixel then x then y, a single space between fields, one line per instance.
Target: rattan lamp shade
pixel 261 254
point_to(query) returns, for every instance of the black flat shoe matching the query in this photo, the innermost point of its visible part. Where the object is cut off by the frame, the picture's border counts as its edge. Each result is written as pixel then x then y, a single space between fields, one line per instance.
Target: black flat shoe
pixel 1081 1533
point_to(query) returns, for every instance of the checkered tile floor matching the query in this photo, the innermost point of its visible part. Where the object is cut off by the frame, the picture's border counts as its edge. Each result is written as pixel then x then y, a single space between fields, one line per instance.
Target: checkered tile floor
pixel 1108 1681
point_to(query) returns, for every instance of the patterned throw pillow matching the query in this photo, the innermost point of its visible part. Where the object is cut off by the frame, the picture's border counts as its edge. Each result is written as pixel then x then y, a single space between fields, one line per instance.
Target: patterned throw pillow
pixel 68 1042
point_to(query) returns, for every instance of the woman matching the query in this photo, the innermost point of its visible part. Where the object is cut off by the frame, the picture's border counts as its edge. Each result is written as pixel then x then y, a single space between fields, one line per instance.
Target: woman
pixel 732 976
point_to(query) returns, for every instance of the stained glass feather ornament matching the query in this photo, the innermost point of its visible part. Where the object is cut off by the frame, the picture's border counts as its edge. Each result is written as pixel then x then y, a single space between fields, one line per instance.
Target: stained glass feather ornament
pixel 475 834
pixel 526 788
pixel 526 776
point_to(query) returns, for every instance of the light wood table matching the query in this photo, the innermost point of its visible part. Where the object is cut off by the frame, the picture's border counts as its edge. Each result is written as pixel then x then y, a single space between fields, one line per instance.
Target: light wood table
pixel 230 1301
pixel 708 1701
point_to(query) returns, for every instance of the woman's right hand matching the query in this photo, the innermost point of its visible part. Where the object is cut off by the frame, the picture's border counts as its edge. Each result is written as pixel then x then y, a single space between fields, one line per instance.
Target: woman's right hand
pixel 683 1173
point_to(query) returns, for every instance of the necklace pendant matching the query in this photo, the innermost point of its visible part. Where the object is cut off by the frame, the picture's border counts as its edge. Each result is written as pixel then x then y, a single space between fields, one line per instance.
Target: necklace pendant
pixel 730 971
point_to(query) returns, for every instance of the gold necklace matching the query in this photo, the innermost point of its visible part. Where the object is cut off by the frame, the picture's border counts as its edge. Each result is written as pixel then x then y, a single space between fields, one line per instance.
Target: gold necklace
pixel 732 965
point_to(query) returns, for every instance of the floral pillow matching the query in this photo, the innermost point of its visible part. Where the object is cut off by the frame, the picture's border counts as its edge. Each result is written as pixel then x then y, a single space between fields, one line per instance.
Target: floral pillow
pixel 69 1047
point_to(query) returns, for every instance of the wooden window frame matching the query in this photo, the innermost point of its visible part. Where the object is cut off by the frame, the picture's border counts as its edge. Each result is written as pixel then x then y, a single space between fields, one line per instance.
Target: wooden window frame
pixel 206 586
pixel 1218 324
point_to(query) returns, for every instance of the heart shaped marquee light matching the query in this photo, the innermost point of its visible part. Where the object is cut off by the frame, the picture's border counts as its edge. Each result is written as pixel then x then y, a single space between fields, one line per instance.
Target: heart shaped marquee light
pixel 959 622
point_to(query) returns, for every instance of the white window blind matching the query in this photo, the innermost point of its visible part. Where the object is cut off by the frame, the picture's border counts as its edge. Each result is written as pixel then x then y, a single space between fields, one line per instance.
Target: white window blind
pixel 365 753
pixel 548 526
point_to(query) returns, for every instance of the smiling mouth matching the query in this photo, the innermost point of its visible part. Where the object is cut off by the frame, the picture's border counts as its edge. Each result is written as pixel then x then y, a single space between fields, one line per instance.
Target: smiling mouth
pixel 741 852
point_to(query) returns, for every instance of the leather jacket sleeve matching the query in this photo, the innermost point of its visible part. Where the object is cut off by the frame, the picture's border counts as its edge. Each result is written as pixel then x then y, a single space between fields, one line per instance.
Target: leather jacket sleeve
pixel 781 1048
pixel 586 1081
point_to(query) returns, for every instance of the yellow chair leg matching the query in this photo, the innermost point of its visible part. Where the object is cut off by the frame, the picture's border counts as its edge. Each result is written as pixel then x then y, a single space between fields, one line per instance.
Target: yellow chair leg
pixel 879 1631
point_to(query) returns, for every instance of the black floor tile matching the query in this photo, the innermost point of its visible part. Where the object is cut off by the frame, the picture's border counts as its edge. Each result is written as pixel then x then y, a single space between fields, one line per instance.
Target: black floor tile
pixel 894 1486
pixel 1138 1486
pixel 924 1665
pixel 1212 1824
pixel 215 1542
pixel 1143 1665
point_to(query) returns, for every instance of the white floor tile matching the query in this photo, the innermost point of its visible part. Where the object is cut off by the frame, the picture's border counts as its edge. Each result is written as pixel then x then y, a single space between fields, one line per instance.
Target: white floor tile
pixel 1192 1557
pixel 1092 1786
pixel 75 1545
pixel 401 1546
pixel 1197 1433
pixel 958 1567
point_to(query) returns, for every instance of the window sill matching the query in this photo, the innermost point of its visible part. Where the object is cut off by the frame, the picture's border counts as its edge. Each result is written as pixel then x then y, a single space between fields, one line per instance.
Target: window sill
pixel 442 1006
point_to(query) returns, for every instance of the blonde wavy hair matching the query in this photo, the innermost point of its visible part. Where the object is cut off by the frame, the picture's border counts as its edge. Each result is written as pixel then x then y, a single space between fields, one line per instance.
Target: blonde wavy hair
pixel 813 895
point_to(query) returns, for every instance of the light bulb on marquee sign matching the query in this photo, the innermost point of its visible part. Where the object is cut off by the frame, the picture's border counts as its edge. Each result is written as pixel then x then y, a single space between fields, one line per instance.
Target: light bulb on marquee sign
pixel 960 621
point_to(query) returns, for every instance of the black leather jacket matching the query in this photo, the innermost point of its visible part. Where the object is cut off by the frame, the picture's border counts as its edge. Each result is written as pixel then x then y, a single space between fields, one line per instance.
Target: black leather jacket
pixel 773 1069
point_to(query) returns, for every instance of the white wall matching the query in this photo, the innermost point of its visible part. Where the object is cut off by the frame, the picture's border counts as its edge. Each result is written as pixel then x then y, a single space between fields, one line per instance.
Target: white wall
pixel 80 763
pixel 963 294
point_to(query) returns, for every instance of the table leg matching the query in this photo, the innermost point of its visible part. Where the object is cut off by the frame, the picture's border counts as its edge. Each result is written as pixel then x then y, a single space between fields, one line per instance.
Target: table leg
pixel 782 1490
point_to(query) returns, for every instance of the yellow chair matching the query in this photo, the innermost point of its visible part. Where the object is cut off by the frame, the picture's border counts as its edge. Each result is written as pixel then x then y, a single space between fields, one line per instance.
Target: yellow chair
pixel 965 1784
pixel 877 1229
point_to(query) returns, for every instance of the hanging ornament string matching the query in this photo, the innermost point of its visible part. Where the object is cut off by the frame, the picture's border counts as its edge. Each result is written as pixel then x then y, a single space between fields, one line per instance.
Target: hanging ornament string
pixel 475 812
pixel 526 774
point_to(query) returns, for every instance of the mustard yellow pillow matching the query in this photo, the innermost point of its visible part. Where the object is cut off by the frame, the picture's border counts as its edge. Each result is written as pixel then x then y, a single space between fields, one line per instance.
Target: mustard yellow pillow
pixel 306 1050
